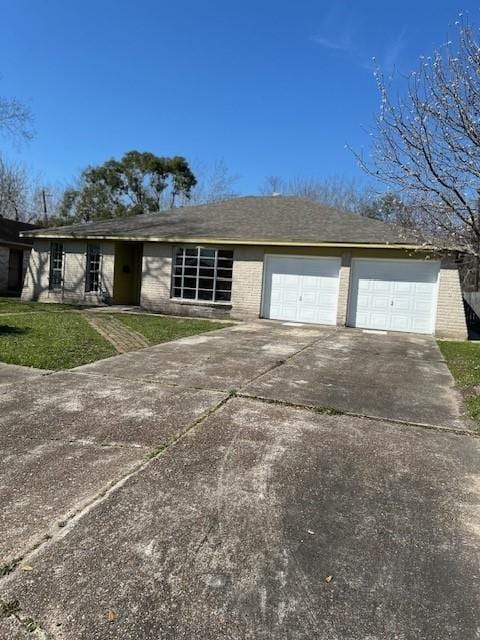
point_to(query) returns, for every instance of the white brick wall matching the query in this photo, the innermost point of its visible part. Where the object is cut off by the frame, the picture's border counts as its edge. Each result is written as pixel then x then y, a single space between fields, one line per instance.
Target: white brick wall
pixel 451 321
pixel 246 287
pixel 156 274
pixel 247 282
pixel 35 285
pixel 343 290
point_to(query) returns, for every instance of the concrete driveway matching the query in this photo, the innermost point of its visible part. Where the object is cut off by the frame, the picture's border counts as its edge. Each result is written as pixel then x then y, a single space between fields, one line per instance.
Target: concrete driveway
pixel 262 481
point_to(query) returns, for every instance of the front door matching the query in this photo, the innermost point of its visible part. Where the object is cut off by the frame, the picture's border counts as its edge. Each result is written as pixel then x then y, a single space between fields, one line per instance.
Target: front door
pixel 15 270
pixel 127 273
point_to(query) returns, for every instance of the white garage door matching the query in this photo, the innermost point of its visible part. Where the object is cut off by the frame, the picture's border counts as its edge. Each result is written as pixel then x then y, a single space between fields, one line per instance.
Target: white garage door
pixel 301 289
pixel 394 295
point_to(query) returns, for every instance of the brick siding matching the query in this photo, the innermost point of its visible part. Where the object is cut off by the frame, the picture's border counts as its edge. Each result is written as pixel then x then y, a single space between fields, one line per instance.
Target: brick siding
pixel 246 287
pixel 451 321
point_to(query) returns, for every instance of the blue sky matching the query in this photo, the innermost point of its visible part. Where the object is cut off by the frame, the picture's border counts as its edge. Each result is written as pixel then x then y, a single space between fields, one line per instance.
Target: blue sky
pixel 272 87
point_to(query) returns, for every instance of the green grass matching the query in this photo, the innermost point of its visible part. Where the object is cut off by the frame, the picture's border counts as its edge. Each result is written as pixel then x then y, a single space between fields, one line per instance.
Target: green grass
pixel 473 405
pixel 158 329
pixel 463 359
pixel 50 340
pixel 47 340
pixel 15 305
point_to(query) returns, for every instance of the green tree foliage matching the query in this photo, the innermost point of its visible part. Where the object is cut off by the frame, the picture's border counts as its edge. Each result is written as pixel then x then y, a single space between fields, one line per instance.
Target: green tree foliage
pixel 138 183
pixel 389 207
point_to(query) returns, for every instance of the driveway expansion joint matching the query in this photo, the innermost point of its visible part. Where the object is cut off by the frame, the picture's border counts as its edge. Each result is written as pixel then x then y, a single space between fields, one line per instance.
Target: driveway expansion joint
pixel 11 609
pixel 65 525
pixel 339 412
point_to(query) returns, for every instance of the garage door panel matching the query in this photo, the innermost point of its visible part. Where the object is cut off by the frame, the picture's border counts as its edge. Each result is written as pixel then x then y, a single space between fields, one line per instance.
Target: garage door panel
pixel 301 289
pixel 399 322
pixel 376 319
pixel 403 304
pixel 423 306
pixel 379 302
pixel 393 295
pixel 290 296
pixel 424 288
pixel 380 286
pixel 403 287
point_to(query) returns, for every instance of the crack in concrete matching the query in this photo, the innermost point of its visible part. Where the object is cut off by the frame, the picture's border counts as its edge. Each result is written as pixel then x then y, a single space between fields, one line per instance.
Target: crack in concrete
pixel 11 610
pixel 283 361
pixel 144 380
pixel 340 412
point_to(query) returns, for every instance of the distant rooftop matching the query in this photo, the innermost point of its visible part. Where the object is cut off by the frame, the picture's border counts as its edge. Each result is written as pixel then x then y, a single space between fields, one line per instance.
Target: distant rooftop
pixel 10 231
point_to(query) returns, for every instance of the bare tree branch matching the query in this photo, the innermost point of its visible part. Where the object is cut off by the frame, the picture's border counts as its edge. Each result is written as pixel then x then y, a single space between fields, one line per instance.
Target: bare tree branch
pixel 426 144
pixel 15 119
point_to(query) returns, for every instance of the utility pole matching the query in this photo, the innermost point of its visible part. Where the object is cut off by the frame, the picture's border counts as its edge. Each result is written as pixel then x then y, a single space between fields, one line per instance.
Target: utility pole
pixel 44 199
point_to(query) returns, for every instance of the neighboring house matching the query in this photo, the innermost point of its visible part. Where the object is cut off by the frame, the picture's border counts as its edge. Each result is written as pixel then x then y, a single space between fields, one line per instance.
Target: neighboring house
pixel 14 255
pixel 282 258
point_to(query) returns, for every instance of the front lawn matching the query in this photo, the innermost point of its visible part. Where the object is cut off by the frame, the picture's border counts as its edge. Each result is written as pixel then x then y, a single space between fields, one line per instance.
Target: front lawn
pixel 463 359
pixel 15 305
pixel 50 340
pixel 158 329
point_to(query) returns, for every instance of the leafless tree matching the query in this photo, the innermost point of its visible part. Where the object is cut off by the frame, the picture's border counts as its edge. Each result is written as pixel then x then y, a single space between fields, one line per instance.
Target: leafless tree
pixel 215 182
pixel 15 119
pixel 337 192
pixel 273 185
pixel 426 143
pixel 13 191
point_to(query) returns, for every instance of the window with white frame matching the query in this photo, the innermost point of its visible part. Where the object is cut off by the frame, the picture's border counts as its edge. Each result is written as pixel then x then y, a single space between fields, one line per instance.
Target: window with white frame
pixel 56 266
pixel 202 274
pixel 92 275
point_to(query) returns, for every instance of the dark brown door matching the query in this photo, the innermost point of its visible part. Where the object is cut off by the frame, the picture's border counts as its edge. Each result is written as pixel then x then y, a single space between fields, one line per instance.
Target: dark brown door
pixel 15 270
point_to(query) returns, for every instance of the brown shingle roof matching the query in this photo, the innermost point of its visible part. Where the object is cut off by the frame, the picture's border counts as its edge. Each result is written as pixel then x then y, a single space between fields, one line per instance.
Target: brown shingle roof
pixel 10 230
pixel 271 219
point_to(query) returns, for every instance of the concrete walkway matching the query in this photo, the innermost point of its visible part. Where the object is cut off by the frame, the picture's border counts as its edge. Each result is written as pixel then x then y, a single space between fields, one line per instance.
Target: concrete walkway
pixel 15 374
pixel 261 481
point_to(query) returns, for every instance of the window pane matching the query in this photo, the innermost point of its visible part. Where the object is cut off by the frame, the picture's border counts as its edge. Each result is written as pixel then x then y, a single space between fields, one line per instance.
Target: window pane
pixel 225 254
pixel 201 271
pixel 224 285
pixel 92 278
pixel 225 264
pixel 56 265
pixel 190 283
pixel 222 296
pixel 205 283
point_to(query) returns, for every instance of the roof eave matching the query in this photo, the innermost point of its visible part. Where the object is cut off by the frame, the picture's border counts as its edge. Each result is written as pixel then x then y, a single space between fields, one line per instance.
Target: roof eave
pixel 230 241
pixel 15 243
